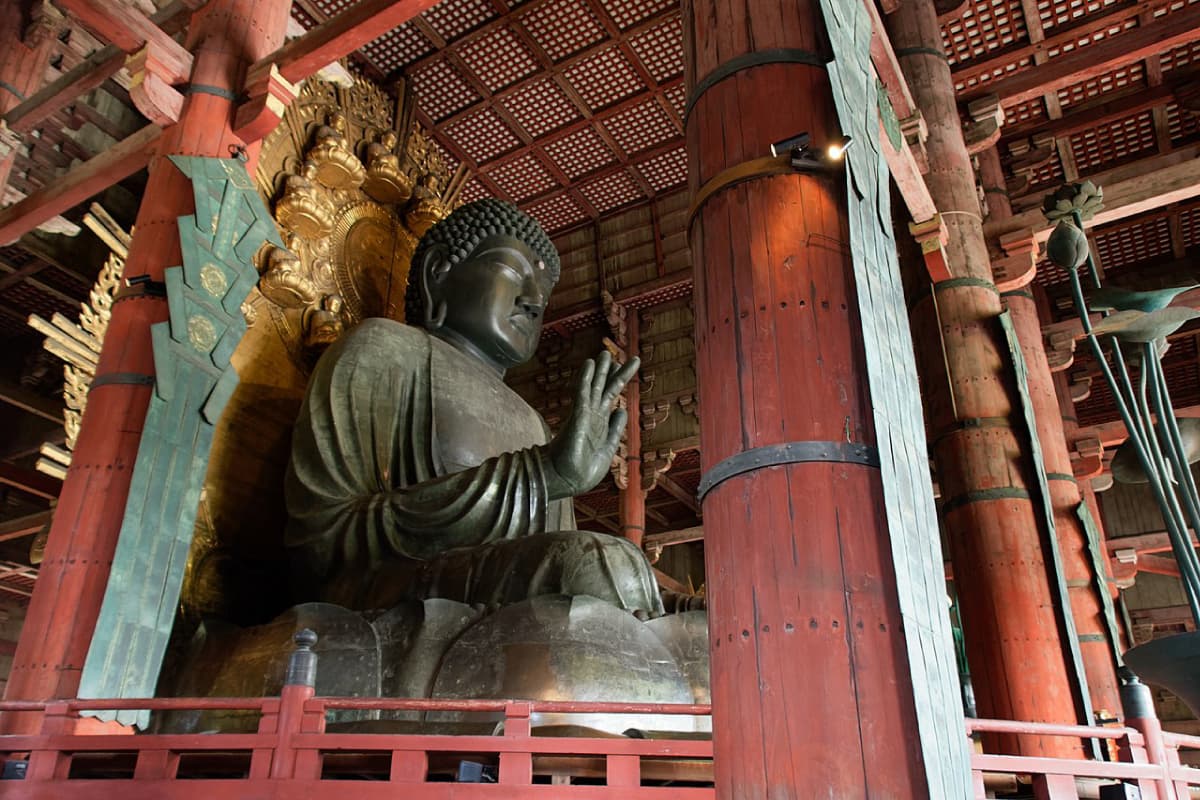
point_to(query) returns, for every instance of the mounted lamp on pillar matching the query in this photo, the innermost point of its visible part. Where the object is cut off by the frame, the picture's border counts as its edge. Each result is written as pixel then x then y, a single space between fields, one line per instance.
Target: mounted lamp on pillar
pixel 818 621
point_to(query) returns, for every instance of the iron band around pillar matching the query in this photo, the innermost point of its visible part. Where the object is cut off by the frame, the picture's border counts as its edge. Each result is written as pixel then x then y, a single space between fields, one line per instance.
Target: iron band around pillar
pixel 747 61
pixel 215 91
pixel 958 283
pixel 739 173
pixel 122 379
pixel 983 496
pixel 969 424
pixel 1028 295
pixel 788 453
pixel 921 51
pixel 1060 476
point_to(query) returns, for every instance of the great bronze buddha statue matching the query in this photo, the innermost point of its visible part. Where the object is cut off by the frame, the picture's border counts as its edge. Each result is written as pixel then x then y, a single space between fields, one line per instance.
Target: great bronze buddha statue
pixel 417 473
pixel 431 533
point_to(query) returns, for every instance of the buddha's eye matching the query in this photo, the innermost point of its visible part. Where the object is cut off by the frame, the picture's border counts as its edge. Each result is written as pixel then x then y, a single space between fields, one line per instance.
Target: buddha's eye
pixel 509 272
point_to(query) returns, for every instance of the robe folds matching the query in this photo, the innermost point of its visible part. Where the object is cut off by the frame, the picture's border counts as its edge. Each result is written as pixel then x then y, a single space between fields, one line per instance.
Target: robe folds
pixel 415 473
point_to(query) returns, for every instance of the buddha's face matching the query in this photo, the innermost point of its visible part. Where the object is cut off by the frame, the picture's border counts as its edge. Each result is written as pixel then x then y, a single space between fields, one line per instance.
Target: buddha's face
pixel 495 300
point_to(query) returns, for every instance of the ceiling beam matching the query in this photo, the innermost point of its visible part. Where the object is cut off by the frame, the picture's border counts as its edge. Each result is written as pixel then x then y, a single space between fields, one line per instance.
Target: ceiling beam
pixel 31 402
pixel 25 526
pixel 1151 542
pixel 1128 190
pixel 131 30
pixel 670 538
pixel 339 37
pixel 668 485
pixel 89 74
pixel 30 481
pixel 1091 23
pixel 87 180
pixel 1096 59
pixel 1115 107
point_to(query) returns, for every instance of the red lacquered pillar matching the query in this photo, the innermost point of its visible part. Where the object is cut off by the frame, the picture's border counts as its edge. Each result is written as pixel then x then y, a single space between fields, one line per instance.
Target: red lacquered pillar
pixel 225 36
pixel 633 499
pixel 1018 662
pixel 810 681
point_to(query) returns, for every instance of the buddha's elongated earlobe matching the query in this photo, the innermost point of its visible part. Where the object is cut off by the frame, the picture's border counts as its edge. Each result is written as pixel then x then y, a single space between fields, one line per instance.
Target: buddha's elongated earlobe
pixel 433 268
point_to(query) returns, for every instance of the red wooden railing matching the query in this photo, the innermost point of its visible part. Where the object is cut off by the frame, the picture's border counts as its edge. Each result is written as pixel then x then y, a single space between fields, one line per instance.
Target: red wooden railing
pixel 291 754
pixel 1149 759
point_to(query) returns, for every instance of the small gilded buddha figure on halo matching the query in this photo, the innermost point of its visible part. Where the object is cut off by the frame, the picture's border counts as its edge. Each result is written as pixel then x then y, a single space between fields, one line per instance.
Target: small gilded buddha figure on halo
pixel 417 473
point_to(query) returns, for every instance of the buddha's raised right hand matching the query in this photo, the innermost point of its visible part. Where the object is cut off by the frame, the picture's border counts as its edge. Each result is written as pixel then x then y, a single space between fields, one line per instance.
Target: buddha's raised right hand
pixel 583 450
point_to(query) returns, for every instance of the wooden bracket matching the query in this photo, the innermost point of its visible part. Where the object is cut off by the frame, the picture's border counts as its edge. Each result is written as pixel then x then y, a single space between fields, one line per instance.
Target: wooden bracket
pixel 1060 349
pixel 10 140
pixel 983 131
pixel 1087 458
pixel 1018 267
pixel 655 413
pixel 655 464
pixel 1079 385
pixel 269 96
pixel 151 88
pixel 931 236
pixel 915 133
pixel 45 23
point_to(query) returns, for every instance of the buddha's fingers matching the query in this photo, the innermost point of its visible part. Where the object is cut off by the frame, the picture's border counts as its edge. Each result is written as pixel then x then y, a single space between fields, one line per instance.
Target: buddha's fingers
pixel 600 381
pixel 583 389
pixel 617 381
pixel 616 426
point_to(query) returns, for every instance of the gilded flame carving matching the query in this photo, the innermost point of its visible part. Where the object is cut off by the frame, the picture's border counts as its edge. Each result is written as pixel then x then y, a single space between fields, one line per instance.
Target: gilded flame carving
pixel 354 187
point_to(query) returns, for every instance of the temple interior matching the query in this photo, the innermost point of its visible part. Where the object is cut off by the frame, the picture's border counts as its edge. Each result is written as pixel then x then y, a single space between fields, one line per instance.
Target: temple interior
pixel 914 289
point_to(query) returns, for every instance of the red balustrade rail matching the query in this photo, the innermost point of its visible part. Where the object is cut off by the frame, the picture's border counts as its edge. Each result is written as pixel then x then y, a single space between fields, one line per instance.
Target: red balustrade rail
pixel 1149 760
pixel 293 755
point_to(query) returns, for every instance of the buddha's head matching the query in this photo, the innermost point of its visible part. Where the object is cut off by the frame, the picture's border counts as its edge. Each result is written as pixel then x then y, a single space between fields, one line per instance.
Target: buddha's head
pixel 481 279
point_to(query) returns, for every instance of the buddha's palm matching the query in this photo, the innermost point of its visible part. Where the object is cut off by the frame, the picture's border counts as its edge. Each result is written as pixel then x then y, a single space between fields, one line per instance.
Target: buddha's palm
pixel 583 450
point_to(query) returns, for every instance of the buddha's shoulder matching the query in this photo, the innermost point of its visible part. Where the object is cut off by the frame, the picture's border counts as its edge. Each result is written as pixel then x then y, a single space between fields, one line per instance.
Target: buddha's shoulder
pixel 375 345
pixel 378 333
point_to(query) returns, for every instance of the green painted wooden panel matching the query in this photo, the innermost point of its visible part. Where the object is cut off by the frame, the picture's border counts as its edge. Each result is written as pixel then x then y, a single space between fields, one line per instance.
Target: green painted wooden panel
pixel 193 382
pixel 904 460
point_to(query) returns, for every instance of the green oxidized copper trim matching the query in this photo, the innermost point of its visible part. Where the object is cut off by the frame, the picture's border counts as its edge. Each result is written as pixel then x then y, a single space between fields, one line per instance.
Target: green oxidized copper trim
pixel 193 381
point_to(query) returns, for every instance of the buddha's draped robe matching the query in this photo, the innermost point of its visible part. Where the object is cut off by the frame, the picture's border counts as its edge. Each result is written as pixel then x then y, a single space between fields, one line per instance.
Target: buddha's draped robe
pixel 413 476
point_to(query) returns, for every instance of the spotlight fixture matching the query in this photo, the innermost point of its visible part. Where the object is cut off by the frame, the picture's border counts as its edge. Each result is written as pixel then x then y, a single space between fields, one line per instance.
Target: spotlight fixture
pixel 837 149
pixel 800 141
pixel 803 156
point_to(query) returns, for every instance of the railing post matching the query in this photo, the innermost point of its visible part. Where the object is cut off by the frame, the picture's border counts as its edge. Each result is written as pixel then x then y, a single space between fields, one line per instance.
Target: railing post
pixel 51 763
pixel 1138 706
pixel 517 768
pixel 1054 787
pixel 298 688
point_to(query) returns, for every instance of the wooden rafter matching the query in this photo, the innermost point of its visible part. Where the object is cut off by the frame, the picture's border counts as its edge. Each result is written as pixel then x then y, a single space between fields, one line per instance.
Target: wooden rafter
pixel 1063 35
pixel 88 179
pixel 1082 63
pixel 1129 190
pixel 338 37
pixel 91 73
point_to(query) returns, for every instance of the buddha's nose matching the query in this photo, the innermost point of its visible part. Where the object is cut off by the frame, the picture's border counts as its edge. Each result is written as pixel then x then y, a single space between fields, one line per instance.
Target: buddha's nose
pixel 530 307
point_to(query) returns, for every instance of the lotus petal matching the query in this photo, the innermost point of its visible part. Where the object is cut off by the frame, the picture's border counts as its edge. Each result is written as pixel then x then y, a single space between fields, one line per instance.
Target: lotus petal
pixel 1129 300
pixel 1138 326
pixel 1125 465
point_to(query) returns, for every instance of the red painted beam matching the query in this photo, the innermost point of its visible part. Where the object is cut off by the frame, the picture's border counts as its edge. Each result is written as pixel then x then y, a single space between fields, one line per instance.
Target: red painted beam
pixel 342 35
pixel 29 481
pixel 91 73
pixel 90 178
pixel 130 30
